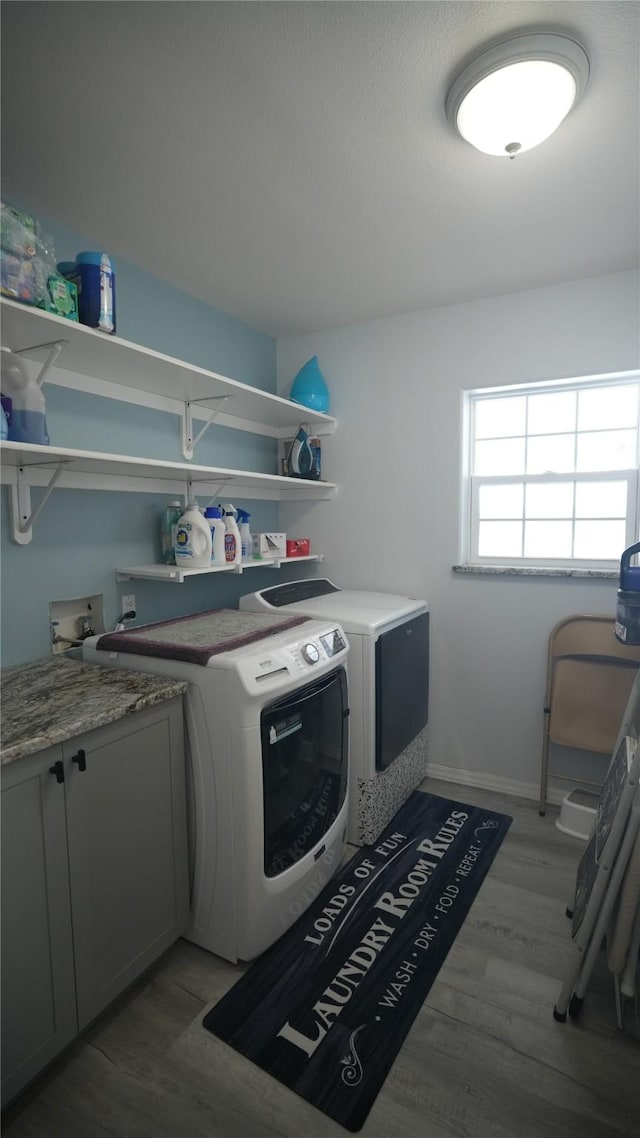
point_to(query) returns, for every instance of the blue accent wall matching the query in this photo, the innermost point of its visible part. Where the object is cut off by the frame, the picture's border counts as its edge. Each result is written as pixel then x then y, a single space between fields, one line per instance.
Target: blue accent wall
pixel 82 537
pixel 152 312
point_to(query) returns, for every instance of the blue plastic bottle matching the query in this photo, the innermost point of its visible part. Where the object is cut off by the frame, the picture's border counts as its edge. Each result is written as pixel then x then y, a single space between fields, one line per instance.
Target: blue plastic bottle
pixel 246 540
pixel 96 285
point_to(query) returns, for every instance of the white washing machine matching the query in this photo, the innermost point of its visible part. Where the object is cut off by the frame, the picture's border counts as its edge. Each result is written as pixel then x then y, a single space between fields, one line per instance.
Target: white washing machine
pixel 388 670
pixel 267 721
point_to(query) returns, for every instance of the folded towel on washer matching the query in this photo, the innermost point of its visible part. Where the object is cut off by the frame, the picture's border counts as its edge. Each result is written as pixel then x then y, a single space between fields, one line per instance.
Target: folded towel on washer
pixel 197 638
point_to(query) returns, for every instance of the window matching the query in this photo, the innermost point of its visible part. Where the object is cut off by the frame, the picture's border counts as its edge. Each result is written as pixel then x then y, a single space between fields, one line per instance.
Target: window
pixel 552 472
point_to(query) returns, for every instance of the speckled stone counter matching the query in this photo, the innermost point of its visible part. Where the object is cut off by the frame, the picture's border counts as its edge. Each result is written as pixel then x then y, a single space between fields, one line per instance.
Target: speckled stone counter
pixel 536 571
pixel 54 699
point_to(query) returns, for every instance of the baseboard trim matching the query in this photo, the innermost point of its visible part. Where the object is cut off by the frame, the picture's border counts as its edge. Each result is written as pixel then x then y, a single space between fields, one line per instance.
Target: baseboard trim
pixel 481 781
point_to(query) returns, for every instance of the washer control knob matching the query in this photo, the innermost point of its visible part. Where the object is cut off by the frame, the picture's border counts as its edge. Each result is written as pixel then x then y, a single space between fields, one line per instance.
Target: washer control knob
pixel 310 653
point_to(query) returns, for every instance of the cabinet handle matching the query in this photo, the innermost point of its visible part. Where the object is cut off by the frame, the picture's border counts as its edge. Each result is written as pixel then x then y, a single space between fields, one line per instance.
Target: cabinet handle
pixel 58 770
pixel 80 759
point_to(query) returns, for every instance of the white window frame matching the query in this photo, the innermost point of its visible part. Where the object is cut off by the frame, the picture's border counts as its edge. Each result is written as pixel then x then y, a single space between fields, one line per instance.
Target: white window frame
pixel 471 484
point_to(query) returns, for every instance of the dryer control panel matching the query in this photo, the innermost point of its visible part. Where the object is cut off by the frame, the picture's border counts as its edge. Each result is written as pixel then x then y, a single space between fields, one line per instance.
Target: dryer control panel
pixel 333 642
pixel 316 649
pixel 321 647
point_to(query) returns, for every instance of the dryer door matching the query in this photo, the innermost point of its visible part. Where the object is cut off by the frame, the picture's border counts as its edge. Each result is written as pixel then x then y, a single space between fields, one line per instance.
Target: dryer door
pixel 402 687
pixel 304 768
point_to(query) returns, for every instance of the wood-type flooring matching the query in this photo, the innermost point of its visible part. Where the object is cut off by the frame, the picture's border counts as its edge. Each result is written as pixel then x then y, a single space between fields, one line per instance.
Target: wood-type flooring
pixel 483 1059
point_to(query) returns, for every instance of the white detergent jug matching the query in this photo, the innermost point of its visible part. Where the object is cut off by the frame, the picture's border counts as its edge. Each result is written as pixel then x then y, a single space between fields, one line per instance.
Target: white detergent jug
pixel 192 548
pixel 26 422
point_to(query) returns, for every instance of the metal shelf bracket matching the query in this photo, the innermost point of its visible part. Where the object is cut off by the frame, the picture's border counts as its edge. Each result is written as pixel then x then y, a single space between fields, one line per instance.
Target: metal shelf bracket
pixel 55 347
pixel 189 443
pixel 22 516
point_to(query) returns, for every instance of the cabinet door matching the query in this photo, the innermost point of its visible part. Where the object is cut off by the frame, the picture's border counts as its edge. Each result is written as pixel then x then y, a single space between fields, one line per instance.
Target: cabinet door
pixel 38 993
pixel 126 826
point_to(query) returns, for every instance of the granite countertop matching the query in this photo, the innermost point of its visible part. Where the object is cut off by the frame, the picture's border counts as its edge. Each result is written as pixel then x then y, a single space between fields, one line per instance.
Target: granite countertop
pixel 537 571
pixel 51 700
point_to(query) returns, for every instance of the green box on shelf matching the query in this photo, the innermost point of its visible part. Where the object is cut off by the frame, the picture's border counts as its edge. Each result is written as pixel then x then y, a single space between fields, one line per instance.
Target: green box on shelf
pixel 61 297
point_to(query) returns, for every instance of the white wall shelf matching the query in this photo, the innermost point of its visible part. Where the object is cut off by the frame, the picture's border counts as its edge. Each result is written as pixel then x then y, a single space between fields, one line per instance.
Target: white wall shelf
pixel 114 360
pixel 117 367
pixel 175 575
pixel 26 465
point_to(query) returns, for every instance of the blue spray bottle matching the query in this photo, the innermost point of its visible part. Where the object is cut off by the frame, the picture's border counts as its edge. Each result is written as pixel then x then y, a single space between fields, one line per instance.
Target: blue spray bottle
pixel 246 540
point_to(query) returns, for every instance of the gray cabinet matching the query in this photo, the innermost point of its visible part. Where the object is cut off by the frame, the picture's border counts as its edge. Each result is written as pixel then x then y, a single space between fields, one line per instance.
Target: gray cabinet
pixel 94 878
pixel 38 983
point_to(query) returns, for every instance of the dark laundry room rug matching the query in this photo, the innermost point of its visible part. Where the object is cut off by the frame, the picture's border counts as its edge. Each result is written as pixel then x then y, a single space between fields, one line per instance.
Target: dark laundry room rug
pixel 325 1010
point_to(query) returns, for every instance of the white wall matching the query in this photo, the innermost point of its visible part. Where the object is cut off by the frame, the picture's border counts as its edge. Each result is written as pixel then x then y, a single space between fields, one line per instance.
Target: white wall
pixel 396 389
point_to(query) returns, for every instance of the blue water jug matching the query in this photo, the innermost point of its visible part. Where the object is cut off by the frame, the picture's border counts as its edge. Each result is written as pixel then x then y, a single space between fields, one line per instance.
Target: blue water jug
pixel 627 626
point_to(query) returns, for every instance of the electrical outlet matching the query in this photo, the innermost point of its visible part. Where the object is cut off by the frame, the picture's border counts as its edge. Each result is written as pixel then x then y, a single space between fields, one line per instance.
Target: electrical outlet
pixel 129 603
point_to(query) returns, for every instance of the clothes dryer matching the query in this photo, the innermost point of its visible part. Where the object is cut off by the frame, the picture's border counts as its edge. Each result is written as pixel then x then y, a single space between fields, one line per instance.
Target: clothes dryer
pixel 388 670
pixel 267 722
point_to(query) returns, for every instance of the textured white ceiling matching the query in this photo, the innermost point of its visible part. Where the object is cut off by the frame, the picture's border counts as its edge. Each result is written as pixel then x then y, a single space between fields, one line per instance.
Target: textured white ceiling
pixel 291 163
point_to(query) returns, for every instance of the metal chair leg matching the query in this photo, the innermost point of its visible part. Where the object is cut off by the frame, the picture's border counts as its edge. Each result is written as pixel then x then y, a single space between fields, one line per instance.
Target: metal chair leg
pixel 594 926
pixel 616 985
pixel 544 765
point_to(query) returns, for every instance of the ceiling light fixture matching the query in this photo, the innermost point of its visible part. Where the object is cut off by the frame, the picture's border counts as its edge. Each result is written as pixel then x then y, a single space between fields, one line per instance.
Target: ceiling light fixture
pixel 515 94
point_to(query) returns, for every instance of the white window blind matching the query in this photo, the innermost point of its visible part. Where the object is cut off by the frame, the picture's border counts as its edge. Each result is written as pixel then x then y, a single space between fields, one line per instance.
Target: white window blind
pixel 552 473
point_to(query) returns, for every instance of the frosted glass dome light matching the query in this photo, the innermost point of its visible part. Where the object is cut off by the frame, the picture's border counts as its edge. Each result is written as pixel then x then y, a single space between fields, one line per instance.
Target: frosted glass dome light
pixel 517 93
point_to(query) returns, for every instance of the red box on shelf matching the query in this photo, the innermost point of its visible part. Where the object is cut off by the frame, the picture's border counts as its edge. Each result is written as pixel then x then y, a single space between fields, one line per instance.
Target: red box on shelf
pixel 298 547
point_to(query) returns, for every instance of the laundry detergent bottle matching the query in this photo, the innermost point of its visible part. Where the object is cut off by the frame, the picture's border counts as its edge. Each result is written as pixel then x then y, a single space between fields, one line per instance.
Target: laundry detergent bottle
pixel 232 540
pixel 246 540
pixel 26 421
pixel 218 531
pixel 192 548
pixel 170 517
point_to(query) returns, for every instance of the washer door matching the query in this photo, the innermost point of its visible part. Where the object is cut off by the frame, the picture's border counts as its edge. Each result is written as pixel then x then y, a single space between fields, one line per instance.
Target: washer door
pixel 304 768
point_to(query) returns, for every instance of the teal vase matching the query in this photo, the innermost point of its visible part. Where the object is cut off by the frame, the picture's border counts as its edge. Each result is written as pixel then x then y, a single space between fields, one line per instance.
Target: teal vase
pixel 309 387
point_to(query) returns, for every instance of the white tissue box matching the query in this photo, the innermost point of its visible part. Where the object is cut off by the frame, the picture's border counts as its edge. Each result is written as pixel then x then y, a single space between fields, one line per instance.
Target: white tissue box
pixel 269 545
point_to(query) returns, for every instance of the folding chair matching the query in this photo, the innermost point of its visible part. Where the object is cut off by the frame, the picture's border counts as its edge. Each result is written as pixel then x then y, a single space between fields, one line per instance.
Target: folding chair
pixel 623 935
pixel 601 872
pixel 589 678
pixel 630 723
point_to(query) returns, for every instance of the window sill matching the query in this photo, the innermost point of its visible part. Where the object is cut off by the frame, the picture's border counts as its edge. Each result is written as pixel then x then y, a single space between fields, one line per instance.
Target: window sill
pixel 537 571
